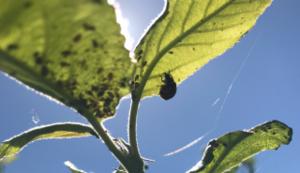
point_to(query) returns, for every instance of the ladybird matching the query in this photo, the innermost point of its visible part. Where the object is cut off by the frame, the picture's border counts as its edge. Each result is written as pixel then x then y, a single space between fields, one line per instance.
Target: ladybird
pixel 168 88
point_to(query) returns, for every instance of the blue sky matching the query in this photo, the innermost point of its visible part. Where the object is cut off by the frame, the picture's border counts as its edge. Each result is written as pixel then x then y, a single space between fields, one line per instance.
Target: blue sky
pixel 263 74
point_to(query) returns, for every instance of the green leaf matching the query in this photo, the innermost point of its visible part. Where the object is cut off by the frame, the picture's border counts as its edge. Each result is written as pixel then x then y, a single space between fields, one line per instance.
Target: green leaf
pixel 70 50
pixel 189 34
pixel 11 147
pixel 232 149
pixel 73 168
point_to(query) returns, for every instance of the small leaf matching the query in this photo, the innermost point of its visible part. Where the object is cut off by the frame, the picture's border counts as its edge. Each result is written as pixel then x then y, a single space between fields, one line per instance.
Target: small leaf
pixel 73 168
pixel 70 50
pixel 232 149
pixel 11 147
pixel 189 34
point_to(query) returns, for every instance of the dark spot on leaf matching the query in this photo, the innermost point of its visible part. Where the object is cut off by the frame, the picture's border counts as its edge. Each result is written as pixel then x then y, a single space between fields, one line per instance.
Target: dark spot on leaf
pixel 44 71
pixel 95 88
pixel 269 127
pixel 27 4
pixel 137 77
pixel 38 58
pixel 110 94
pixel 140 52
pixel 123 82
pixel 66 53
pixel 89 92
pixel 107 111
pixel 95 43
pixel 144 63
pixel 214 143
pixel 99 70
pixel 171 52
pixel 117 95
pixel 138 58
pixel 12 47
pixel 110 76
pixel 88 27
pixel 224 144
pixel 77 38
pixel 64 64
pixel 102 90
pixel 194 49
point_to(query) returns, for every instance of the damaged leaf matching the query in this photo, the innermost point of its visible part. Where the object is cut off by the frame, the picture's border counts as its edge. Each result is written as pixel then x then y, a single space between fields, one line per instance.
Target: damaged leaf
pixel 232 149
pixel 69 50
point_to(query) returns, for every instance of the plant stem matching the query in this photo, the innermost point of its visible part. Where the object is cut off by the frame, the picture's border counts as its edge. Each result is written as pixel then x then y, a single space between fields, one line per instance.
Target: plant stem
pixel 132 127
pixel 102 132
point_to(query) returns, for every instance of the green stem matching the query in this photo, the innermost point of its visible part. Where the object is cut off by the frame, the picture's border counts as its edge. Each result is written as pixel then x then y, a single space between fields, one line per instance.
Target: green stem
pixel 105 136
pixel 132 127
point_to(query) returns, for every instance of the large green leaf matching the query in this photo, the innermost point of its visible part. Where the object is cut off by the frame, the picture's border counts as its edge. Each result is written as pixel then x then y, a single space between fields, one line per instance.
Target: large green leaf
pixel 73 168
pixel 70 50
pixel 11 147
pixel 232 149
pixel 189 34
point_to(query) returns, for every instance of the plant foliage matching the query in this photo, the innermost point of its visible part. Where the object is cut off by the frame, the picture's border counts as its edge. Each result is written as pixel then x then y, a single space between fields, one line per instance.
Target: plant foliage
pixel 232 149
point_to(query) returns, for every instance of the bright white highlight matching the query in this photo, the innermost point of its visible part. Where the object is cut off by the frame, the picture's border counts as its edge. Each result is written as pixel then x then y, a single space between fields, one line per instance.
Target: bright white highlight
pixel 124 22
pixel 194 142
pixel 216 102
pixel 35 117
pixel 73 167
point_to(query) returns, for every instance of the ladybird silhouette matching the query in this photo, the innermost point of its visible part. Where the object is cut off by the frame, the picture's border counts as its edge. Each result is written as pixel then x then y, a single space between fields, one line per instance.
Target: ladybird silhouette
pixel 168 88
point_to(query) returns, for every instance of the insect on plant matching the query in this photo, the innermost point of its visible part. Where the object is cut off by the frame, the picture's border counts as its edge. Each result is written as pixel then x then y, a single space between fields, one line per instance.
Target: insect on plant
pixel 168 88
pixel 84 65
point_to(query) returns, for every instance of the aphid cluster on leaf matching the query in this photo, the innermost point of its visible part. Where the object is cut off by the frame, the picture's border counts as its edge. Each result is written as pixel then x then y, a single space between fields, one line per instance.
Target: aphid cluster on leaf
pixel 168 88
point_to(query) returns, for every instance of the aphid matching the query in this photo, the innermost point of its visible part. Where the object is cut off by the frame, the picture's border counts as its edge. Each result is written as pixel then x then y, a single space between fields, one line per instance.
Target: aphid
pixel 38 58
pixel 77 38
pixel 95 43
pixel 88 27
pixel 110 76
pixel 168 88
pixel 12 47
pixel 66 53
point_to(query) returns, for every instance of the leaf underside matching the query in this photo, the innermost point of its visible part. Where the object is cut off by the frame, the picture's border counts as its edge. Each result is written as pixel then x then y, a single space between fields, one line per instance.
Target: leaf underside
pixel 70 50
pixel 232 149
pixel 189 34
pixel 11 147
